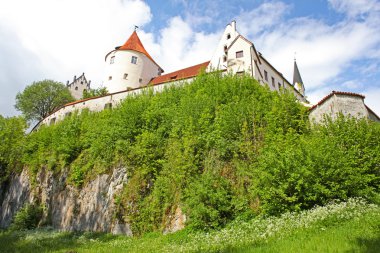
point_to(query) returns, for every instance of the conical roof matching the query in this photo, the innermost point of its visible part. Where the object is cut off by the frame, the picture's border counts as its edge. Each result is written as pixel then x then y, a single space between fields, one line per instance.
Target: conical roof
pixel 296 75
pixel 134 43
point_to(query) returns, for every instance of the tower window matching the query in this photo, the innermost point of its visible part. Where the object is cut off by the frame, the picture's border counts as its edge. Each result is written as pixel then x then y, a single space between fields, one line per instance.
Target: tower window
pixel 134 60
pixel 81 82
pixel 110 78
pixel 228 36
pixel 125 76
pixel 266 75
pixel 225 48
pixel 224 58
pixel 112 60
pixel 239 54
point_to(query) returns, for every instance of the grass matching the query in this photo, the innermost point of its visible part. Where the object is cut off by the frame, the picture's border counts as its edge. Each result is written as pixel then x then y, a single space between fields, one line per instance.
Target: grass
pixel 352 226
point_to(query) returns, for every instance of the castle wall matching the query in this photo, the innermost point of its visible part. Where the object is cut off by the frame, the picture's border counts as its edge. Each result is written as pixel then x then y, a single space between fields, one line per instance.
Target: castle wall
pixel 348 105
pixel 122 74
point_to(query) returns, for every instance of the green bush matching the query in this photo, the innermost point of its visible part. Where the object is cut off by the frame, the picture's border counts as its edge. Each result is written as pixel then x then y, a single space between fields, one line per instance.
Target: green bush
pixel 27 217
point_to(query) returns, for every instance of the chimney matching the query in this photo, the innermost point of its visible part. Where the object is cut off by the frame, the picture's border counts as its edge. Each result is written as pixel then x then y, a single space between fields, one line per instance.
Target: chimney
pixel 233 24
pixel 75 78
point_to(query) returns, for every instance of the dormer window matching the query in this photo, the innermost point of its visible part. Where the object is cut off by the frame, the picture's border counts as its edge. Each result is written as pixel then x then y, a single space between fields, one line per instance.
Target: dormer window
pixel 239 54
pixel 228 36
pixel 134 60
pixel 112 60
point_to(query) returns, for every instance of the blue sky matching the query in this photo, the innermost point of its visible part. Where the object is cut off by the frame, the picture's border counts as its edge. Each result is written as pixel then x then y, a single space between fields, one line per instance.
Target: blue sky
pixel 337 42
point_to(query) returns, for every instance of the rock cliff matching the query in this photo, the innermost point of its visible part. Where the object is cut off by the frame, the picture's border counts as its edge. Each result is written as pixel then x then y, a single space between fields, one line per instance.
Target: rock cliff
pixel 67 208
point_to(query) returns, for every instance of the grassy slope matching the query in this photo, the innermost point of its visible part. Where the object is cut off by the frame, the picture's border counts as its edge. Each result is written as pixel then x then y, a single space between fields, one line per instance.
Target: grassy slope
pixel 352 227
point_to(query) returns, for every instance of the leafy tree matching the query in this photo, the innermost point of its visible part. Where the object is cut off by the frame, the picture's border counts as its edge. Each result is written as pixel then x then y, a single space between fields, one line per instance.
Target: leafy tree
pixel 41 98
pixel 95 92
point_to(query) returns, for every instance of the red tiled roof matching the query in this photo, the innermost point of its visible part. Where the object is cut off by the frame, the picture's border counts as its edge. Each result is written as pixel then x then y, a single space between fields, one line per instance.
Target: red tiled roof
pixel 180 74
pixel 336 93
pixel 134 43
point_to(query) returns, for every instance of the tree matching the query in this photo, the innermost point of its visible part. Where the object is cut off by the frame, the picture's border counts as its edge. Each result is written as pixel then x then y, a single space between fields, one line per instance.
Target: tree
pixel 41 98
pixel 95 92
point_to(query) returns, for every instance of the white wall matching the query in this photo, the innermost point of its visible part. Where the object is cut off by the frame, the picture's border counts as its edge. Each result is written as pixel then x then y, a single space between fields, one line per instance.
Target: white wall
pixel 144 69
pixel 346 104
pixel 217 58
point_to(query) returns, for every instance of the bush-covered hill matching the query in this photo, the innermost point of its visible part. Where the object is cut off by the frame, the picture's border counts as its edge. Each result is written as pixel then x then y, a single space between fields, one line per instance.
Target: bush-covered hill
pixel 219 148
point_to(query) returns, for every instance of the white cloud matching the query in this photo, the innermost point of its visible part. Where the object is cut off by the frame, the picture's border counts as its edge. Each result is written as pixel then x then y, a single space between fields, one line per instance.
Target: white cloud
pixel 354 8
pixel 261 18
pixel 180 46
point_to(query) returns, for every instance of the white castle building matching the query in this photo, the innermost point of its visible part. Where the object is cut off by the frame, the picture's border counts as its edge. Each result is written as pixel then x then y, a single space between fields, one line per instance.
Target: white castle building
pixel 130 68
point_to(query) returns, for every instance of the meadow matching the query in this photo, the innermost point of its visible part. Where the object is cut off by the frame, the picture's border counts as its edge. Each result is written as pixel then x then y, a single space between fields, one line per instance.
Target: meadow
pixel 351 226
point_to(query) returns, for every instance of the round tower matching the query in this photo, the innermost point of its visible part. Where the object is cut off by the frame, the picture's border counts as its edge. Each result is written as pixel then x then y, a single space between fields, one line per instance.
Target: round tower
pixel 129 66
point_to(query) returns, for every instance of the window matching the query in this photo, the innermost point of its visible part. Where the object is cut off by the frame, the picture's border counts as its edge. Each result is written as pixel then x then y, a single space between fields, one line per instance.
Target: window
pixel 225 48
pixel 140 80
pixel 67 114
pixel 224 58
pixel 134 60
pixel 52 121
pixel 125 76
pixel 272 81
pixel 239 54
pixel 110 78
pixel 76 88
pixel 279 86
pixel 266 75
pixel 81 82
pixel 240 73
pixel 228 36
pixel 112 60
pixel 108 106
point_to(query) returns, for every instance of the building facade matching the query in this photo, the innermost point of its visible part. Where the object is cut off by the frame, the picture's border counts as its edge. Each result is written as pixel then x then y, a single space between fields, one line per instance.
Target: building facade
pixel 78 86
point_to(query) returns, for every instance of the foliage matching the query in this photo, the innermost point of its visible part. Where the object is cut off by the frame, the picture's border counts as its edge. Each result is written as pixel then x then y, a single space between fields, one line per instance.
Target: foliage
pixel 95 92
pixel 41 98
pixel 351 226
pixel 27 217
pixel 336 160
pixel 12 137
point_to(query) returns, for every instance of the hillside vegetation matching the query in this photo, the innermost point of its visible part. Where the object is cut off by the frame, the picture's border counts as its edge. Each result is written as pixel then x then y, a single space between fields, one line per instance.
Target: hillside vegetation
pixel 220 148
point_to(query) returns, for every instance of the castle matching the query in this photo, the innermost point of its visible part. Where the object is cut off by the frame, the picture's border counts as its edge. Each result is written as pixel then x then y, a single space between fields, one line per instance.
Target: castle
pixel 130 68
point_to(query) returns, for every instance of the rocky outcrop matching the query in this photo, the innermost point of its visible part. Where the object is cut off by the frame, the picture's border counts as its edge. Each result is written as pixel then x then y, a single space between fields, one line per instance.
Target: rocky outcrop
pixel 67 208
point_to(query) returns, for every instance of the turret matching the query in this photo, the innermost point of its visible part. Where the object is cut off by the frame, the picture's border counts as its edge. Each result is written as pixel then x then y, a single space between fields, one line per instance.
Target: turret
pixel 297 80
pixel 129 66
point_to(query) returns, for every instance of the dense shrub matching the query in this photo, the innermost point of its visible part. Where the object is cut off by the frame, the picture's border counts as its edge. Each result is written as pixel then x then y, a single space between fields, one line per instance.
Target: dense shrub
pixel 27 217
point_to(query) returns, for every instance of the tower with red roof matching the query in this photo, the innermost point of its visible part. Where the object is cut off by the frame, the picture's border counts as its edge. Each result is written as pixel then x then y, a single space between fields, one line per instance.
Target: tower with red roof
pixel 129 66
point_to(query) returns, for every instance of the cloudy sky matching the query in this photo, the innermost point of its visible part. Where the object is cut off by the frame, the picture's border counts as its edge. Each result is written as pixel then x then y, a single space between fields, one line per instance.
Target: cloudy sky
pixel 337 42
